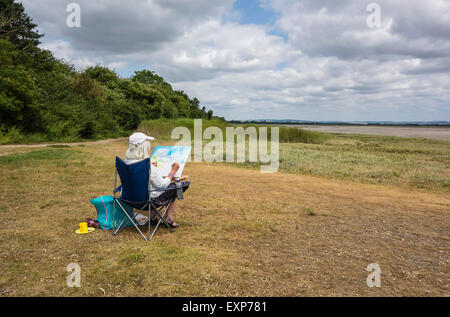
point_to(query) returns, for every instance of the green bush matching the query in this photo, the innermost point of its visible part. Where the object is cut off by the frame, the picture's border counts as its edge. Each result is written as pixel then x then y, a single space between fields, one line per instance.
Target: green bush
pixel 42 98
pixel 13 135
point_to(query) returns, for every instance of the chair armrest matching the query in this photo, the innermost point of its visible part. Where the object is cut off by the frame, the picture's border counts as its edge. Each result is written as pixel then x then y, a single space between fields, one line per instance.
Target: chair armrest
pixel 162 189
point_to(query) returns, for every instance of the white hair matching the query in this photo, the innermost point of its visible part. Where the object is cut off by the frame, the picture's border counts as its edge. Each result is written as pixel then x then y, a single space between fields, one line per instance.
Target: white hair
pixel 138 152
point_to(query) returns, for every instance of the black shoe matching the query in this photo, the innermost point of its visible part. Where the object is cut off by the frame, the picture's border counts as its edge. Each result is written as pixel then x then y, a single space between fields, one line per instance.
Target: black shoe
pixel 172 223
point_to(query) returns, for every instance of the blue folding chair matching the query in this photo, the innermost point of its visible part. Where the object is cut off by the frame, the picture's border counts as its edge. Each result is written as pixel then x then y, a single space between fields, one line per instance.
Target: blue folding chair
pixel 135 191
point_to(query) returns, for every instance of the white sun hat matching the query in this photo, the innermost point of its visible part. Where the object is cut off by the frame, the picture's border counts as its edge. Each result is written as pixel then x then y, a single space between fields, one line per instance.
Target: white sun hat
pixel 139 137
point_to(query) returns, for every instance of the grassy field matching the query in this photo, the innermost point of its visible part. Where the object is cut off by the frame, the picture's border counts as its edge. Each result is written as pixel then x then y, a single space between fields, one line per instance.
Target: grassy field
pixel 410 162
pixel 407 162
pixel 311 236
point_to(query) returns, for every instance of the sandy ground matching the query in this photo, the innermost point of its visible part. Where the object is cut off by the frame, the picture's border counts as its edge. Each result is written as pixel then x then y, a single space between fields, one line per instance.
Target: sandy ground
pixel 440 133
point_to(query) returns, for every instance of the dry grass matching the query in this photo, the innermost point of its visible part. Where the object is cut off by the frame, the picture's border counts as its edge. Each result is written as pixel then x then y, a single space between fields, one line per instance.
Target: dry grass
pixel 242 233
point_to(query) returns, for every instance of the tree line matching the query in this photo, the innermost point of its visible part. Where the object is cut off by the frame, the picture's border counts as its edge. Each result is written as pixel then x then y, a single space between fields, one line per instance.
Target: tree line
pixel 42 95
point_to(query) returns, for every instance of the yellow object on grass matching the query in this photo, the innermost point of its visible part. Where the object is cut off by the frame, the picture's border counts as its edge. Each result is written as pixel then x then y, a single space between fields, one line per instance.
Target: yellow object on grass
pixel 84 228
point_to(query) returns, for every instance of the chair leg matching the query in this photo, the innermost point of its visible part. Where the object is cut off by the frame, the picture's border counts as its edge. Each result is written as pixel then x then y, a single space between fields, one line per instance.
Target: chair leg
pixel 150 233
pixel 132 220
pixel 119 228
pixel 149 221
pixel 161 219
pixel 114 214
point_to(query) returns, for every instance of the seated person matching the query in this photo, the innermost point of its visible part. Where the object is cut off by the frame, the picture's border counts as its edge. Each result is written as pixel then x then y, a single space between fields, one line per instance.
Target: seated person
pixel 139 149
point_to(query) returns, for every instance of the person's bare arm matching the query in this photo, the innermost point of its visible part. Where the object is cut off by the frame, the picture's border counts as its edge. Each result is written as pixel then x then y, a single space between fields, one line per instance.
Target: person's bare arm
pixel 175 168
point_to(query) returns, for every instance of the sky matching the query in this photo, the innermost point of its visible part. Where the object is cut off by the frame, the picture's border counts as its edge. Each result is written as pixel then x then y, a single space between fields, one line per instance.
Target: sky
pixel 270 59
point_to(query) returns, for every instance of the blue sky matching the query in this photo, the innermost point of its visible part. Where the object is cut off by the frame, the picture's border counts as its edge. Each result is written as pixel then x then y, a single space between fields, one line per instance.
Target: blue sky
pixel 253 12
pixel 259 13
pixel 279 59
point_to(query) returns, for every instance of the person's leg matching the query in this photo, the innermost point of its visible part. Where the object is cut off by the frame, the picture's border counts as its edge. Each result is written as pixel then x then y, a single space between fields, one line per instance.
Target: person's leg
pixel 153 217
pixel 169 214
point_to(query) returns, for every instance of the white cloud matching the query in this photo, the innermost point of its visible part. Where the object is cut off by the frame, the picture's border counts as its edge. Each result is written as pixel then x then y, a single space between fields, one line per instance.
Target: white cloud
pixel 325 64
pixel 63 50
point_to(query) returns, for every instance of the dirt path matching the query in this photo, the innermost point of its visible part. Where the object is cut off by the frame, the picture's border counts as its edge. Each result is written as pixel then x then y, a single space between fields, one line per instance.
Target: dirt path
pixel 15 146
pixel 23 148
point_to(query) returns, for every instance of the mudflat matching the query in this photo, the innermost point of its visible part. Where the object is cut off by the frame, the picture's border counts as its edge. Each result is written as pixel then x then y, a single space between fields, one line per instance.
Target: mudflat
pixel 440 133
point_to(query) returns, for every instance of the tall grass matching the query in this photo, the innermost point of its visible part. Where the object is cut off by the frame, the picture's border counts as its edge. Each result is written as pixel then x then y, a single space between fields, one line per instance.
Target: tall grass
pixel 161 129
pixel 416 163
pixel 297 135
